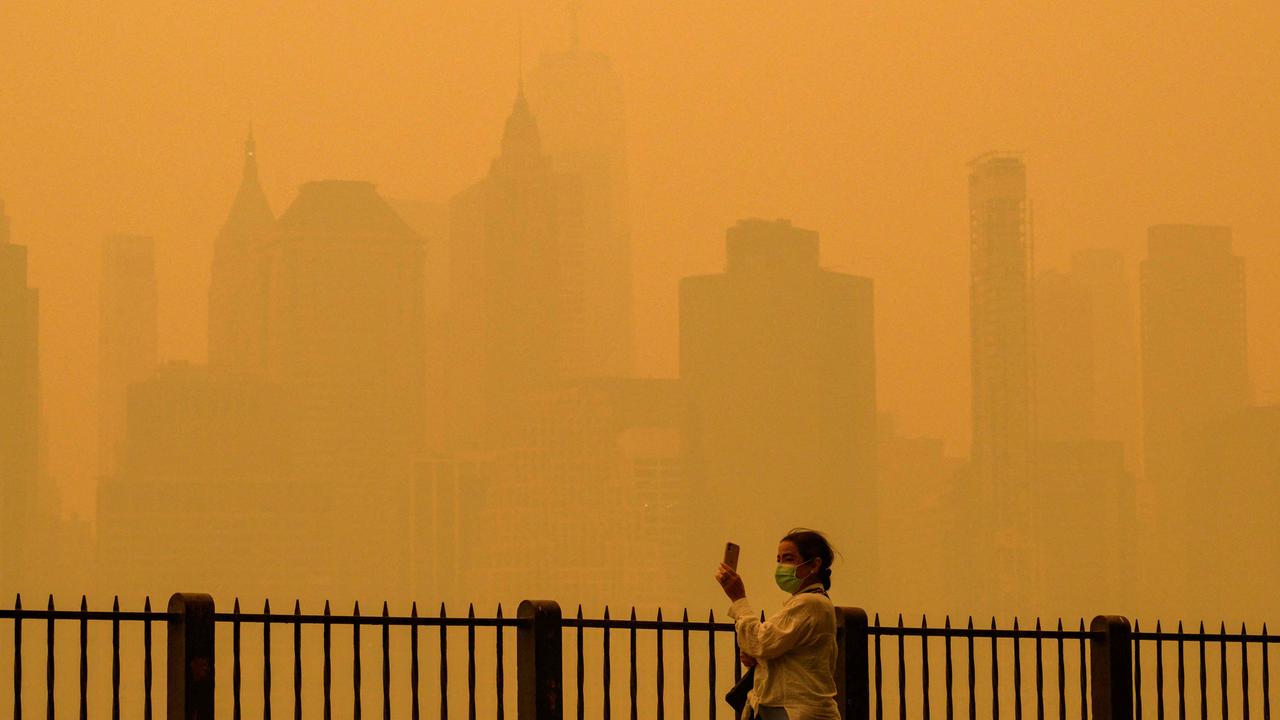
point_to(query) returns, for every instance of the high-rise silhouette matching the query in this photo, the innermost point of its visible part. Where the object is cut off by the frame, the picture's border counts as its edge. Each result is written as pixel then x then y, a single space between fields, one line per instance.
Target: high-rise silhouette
pixel 578 101
pixel 777 356
pixel 1064 337
pixel 345 339
pixel 127 335
pixel 238 286
pixel 1116 413
pixel 345 328
pixel 1194 371
pixel 1000 321
pixel 19 406
pixel 508 290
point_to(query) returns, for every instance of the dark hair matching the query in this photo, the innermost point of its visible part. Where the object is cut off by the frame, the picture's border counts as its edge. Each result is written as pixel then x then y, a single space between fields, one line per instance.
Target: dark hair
pixel 813 544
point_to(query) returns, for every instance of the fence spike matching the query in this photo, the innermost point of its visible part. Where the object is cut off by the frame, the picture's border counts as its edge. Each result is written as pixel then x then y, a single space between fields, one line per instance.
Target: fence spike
pixel 1059 624
pixel 1136 627
pixel 1015 623
pixel 946 622
pixel 993 623
pixel 442 612
pixel 659 614
pixel 499 615
pixel 384 608
pixel 970 622
pixel 326 607
pixel 84 603
pixel 146 605
pixel 115 603
pixel 413 609
pixel 297 606
pixel 606 612
pixel 1037 623
pixel 51 604
pixel 471 611
pixel 633 613
pixel 356 610
pixel 235 608
pixel 579 611
pixel 1157 626
pixel 899 619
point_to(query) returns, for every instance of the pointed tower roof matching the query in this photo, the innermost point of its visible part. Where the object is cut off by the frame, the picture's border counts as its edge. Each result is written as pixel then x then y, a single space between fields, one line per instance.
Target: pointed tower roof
pixel 250 211
pixel 520 138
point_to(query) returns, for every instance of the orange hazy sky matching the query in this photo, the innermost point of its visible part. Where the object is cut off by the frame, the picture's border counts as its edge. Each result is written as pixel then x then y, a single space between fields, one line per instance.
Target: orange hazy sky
pixel 855 118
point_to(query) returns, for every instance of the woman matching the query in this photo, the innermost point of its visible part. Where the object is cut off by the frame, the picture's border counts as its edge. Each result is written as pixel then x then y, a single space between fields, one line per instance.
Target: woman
pixel 794 651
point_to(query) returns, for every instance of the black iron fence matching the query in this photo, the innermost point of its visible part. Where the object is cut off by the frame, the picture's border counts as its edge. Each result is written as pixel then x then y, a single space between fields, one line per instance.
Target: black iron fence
pixel 677 667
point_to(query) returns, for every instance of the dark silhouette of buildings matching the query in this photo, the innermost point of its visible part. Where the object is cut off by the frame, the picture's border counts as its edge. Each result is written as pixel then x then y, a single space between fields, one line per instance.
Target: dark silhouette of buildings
pixel 345 341
pixel 127 335
pixel 206 493
pixel 1194 375
pixel 1236 472
pixel 1064 357
pixel 1116 412
pixel 777 356
pixel 19 408
pixel 1000 320
pixel 510 289
pixel 578 101
pixel 238 286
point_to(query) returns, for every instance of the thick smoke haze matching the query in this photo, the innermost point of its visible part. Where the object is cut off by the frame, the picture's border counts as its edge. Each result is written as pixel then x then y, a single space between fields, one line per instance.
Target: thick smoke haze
pixel 855 119
pixel 1135 147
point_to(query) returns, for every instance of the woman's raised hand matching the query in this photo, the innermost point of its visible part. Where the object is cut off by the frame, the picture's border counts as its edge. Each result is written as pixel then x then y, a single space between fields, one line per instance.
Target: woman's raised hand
pixel 731 582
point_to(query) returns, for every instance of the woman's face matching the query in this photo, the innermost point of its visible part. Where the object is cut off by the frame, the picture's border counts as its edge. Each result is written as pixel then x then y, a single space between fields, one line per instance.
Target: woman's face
pixel 789 554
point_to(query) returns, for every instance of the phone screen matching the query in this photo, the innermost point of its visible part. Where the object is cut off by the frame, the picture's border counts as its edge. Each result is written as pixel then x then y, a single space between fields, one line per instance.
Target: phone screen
pixel 731 555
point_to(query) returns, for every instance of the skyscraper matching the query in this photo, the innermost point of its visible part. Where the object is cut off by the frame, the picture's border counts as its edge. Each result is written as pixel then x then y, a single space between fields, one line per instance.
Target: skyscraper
pixel 1194 372
pixel 127 335
pixel 1064 357
pixel 345 341
pixel 508 291
pixel 1000 317
pixel 578 101
pixel 1116 406
pixel 345 329
pixel 777 357
pixel 237 290
pixel 20 400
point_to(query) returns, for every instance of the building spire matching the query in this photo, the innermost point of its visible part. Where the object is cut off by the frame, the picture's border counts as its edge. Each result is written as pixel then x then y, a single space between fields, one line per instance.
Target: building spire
pixel 250 158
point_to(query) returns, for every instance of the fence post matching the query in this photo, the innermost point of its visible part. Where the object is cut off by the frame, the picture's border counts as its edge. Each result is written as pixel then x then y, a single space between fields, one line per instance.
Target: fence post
pixel 1111 671
pixel 538 661
pixel 191 657
pixel 852 682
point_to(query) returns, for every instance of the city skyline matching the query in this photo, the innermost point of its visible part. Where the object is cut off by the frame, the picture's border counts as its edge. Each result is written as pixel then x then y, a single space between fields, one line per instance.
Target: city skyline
pixel 883 189
pixel 488 346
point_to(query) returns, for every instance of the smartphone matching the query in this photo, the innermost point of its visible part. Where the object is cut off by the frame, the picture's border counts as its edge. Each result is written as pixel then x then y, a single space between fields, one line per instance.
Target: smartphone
pixel 731 555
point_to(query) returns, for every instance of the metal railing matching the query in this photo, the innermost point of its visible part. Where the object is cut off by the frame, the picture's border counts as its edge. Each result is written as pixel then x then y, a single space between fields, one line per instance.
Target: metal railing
pixel 1098 670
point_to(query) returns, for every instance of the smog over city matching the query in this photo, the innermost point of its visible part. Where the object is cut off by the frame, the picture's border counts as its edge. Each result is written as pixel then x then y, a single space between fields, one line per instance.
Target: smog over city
pixel 456 305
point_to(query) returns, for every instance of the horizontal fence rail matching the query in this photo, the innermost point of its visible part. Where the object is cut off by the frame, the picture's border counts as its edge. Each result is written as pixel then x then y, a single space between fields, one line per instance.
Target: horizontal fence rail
pixel 82 617
pixel 614 664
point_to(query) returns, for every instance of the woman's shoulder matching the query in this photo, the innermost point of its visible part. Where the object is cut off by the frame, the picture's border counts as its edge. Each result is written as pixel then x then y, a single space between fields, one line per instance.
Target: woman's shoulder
pixel 811 600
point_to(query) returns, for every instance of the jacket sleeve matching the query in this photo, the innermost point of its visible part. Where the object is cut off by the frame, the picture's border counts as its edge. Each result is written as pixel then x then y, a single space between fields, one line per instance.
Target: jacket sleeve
pixel 776 635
